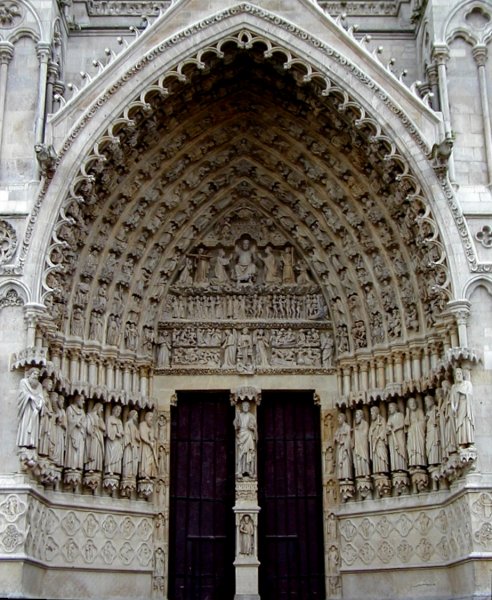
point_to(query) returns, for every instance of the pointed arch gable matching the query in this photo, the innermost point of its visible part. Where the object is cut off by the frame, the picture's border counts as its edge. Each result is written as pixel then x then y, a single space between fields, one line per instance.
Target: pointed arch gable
pixel 319 61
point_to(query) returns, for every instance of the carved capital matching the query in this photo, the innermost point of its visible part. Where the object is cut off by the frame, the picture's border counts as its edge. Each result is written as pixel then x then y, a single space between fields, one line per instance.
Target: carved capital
pixel 43 50
pixel 6 52
pixel 480 55
pixel 440 54
pixel 460 309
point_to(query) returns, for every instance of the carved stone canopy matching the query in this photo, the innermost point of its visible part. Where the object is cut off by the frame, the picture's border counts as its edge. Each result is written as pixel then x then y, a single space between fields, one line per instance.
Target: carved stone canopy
pixel 243 136
pixel 248 392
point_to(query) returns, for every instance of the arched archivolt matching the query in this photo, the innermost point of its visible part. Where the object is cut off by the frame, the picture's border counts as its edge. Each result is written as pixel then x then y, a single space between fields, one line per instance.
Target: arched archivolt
pixel 244 126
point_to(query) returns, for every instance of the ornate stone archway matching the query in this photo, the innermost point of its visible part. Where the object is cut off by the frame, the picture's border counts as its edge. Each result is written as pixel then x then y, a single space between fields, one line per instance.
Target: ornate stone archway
pixel 243 214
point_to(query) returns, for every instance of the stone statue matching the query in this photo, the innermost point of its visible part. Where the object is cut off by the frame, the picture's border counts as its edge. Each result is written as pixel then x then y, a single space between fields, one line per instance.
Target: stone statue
pixel 450 444
pixel 114 442
pixel 343 444
pixel 202 267
pixel 147 468
pixel 45 418
pixel 396 438
pixel 262 347
pixel 246 536
pixel 327 347
pixel 246 437
pixel 461 398
pixel 230 349
pixel 94 441
pixel 131 450
pixel 361 445
pixel 245 267
pixel 271 267
pixel 245 350
pixel 185 276
pixel 59 430
pixel 432 432
pixel 30 401
pixel 76 427
pixel 164 353
pixel 221 262
pixel 288 275
pixel 377 442
pixel 415 426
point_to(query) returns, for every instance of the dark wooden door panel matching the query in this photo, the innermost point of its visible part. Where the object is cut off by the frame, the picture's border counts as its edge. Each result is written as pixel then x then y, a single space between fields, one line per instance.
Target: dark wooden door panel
pixel 201 536
pixel 290 496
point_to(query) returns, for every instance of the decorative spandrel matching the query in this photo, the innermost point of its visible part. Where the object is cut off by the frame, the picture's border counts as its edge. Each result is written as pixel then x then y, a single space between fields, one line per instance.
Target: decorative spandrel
pixel 244 300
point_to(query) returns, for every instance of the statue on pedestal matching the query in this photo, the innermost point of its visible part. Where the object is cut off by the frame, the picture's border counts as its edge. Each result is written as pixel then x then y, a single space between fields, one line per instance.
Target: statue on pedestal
pixel 246 438
pixel 30 401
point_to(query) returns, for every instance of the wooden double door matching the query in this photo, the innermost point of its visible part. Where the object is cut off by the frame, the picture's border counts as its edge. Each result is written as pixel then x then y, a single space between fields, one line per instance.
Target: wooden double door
pixel 202 530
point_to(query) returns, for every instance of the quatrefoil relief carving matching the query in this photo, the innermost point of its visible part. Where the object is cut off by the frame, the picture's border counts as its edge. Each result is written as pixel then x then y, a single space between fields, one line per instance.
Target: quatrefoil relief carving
pixel 484 236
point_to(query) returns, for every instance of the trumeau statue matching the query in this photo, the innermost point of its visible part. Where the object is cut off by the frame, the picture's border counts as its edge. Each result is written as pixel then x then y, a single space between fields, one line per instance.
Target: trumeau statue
pixel 30 401
pixel 114 442
pixel 461 396
pixel 361 445
pixel 76 431
pixel 246 438
pixel 343 444
pixel 246 536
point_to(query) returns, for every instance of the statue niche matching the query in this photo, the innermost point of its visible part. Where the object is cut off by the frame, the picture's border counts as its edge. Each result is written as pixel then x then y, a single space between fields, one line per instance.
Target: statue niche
pixel 244 300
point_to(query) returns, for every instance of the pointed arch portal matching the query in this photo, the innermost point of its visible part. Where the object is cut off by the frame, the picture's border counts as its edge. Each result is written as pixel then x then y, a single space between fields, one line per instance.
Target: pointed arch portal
pixel 244 217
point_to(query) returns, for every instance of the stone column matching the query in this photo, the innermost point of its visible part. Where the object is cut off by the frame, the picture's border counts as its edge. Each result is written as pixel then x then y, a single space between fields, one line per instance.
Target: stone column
pixel 441 57
pixel 480 56
pixel 44 52
pixel 461 311
pixel 246 400
pixel 6 55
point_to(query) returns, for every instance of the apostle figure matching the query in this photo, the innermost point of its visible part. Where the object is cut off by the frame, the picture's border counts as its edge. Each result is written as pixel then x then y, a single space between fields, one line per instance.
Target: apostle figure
pixel 396 438
pixel 148 460
pixel 461 396
pixel 76 428
pixel 361 445
pixel 246 437
pixel 377 442
pixel 45 418
pixel 131 449
pixel 114 442
pixel 448 423
pixel 432 432
pixel 59 429
pixel 415 426
pixel 245 267
pixel 94 441
pixel 343 445
pixel 30 401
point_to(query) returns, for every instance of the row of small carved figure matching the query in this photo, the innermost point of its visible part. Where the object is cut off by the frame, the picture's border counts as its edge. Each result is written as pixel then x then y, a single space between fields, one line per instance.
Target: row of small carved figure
pixel 84 445
pixel 242 306
pixel 400 442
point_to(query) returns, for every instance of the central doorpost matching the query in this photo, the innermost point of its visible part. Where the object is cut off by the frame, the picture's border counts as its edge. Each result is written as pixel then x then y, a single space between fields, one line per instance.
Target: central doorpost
pixel 246 509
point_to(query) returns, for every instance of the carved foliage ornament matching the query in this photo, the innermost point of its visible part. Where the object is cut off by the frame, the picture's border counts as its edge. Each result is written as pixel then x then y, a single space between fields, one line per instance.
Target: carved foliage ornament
pixel 8 241
pixel 11 14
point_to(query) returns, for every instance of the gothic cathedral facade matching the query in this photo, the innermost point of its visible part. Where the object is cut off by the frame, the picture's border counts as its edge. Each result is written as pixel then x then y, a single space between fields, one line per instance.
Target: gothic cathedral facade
pixel 246 299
